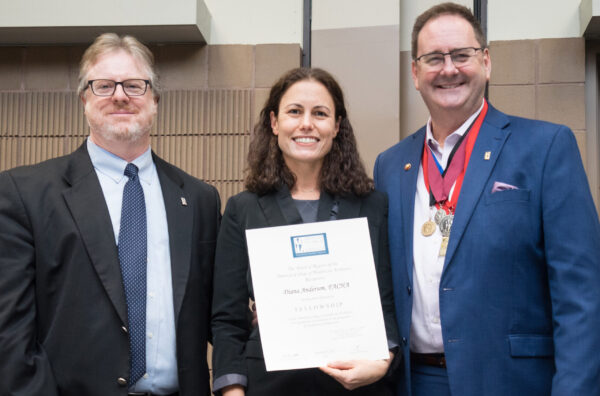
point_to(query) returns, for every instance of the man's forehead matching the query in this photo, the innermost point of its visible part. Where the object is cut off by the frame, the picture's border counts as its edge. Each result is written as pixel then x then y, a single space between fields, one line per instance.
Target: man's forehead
pixel 119 62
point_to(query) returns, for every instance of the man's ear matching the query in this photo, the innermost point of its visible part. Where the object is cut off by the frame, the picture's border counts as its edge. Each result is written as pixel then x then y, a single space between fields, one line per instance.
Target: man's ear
pixel 414 74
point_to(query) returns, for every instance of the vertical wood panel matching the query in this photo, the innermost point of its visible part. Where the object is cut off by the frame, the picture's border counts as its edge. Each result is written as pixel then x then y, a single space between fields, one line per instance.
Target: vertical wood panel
pixel 204 132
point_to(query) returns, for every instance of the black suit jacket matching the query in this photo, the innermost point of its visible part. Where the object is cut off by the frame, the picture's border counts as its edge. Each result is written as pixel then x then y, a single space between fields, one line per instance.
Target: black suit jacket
pixel 62 302
pixel 234 338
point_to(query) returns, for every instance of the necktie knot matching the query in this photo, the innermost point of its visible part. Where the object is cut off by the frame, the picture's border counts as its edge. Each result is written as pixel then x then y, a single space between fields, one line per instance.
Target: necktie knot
pixel 131 171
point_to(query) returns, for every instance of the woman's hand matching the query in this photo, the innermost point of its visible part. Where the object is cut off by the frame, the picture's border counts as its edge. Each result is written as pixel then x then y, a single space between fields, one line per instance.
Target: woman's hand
pixel 233 390
pixel 356 373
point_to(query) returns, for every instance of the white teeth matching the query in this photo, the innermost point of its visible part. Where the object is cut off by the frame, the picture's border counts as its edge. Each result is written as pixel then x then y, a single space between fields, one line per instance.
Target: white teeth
pixel 305 140
pixel 449 86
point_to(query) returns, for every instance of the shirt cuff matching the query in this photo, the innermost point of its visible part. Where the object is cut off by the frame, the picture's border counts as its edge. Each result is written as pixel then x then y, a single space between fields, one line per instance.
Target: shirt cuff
pixel 229 379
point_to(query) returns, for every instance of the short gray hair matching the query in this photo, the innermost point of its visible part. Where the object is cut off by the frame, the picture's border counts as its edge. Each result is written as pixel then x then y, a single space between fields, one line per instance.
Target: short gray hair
pixel 108 42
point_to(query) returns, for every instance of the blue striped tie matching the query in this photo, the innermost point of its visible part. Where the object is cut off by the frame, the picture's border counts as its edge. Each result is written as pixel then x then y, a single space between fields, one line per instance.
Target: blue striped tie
pixel 132 256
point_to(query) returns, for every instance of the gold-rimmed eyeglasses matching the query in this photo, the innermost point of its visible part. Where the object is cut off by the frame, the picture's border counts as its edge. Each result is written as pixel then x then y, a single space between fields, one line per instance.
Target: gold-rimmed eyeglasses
pixel 460 57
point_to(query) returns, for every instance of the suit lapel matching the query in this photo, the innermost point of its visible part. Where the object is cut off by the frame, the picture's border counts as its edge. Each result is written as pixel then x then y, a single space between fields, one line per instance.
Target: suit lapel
pixel 180 217
pixel 86 202
pixel 348 207
pixel 408 185
pixel 279 208
pixel 492 136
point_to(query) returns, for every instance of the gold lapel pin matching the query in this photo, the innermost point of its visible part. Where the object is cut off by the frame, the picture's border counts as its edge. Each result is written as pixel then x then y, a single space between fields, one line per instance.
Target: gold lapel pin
pixel 183 201
pixel 487 155
pixel 407 166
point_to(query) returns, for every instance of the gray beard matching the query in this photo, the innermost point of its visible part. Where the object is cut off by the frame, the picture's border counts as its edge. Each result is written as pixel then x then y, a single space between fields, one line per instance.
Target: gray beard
pixel 119 134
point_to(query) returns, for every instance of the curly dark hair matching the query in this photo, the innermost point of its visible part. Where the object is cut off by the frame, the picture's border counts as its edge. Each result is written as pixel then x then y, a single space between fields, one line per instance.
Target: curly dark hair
pixel 342 173
pixel 445 9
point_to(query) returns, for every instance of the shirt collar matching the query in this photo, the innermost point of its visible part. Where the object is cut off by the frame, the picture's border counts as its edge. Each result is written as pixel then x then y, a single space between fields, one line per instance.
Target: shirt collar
pixel 454 136
pixel 114 167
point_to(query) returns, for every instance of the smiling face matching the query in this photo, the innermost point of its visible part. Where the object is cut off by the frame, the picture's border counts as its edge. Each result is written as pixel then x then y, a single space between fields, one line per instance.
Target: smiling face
pixel 451 91
pixel 119 118
pixel 305 124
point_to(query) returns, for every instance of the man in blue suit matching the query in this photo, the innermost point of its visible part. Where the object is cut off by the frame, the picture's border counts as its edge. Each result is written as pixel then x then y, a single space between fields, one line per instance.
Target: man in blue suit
pixel 494 238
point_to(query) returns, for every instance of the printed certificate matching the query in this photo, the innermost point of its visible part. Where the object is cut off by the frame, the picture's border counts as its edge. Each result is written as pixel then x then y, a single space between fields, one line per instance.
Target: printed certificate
pixel 316 294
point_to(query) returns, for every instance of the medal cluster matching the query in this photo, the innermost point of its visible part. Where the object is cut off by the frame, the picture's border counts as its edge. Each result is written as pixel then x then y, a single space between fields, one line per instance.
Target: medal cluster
pixel 443 220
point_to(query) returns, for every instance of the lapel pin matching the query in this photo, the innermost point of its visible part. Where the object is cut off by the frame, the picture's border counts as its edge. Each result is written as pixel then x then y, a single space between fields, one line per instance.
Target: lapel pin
pixel 183 201
pixel 487 155
pixel 407 166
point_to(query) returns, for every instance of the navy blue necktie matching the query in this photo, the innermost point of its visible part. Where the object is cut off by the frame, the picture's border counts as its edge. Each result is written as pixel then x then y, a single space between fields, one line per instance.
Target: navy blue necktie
pixel 132 256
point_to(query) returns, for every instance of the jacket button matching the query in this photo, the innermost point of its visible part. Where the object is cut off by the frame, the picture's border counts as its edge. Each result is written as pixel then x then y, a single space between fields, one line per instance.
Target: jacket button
pixel 409 290
pixel 121 381
pixel 124 329
pixel 404 341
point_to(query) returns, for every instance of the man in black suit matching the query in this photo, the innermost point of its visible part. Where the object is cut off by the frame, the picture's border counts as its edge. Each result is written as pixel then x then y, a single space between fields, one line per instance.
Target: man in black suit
pixel 106 254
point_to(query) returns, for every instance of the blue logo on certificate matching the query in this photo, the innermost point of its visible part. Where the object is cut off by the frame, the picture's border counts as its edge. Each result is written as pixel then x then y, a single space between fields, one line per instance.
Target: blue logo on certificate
pixel 309 245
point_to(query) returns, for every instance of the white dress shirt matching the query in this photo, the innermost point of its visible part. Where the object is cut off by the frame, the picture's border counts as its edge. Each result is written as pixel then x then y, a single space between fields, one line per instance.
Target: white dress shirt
pixel 161 358
pixel 426 327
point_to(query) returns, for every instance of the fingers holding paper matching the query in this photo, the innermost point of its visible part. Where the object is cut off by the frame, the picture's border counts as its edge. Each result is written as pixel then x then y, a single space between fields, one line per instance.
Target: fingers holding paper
pixel 353 374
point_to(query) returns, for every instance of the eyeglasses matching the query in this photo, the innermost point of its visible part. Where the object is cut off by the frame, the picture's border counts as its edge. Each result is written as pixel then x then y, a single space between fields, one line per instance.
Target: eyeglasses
pixel 133 87
pixel 460 57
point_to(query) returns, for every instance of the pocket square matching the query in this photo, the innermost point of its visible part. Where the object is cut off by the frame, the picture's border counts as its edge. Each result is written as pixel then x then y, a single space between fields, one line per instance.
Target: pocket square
pixel 499 186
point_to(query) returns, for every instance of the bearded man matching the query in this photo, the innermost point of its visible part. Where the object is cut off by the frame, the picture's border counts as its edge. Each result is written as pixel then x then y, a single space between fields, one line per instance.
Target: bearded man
pixel 106 254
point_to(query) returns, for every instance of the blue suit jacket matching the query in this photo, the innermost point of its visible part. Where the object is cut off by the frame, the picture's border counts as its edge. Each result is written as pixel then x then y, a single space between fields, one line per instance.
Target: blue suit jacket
pixel 520 289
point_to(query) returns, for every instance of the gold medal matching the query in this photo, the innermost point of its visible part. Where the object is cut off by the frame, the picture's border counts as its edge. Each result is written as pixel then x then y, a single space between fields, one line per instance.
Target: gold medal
pixel 428 228
pixel 444 246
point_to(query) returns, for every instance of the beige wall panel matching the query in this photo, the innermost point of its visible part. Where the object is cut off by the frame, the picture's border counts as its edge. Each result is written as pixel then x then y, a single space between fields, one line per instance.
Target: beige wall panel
pixel 516 100
pixel 580 136
pixel 9 148
pixel 227 189
pixel 513 62
pixel 272 60
pixel 182 66
pixel 532 19
pixel 74 57
pixel 11 73
pixel 563 104
pixel 10 113
pixel 260 98
pixel 44 113
pixel 204 112
pixel 36 149
pixel 365 63
pixel 46 68
pixel 562 60
pixel 228 112
pixel 41 114
pixel 211 158
pixel 413 112
pixel 230 66
pixel 72 143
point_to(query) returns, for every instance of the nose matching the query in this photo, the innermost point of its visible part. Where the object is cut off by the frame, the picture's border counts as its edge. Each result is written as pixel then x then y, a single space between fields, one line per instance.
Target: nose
pixel 448 66
pixel 306 121
pixel 119 95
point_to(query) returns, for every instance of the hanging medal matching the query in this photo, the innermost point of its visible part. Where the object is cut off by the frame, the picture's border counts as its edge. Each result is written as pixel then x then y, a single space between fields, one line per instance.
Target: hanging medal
pixel 428 228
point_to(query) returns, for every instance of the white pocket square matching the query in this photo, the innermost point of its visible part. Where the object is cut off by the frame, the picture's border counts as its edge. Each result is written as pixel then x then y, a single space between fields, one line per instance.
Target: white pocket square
pixel 499 186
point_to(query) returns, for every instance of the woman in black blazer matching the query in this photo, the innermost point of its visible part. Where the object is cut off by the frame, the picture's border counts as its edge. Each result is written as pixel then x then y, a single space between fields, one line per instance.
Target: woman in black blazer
pixel 303 166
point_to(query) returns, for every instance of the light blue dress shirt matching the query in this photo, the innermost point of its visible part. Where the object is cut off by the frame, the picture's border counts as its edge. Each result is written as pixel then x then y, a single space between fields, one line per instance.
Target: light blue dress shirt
pixel 161 358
